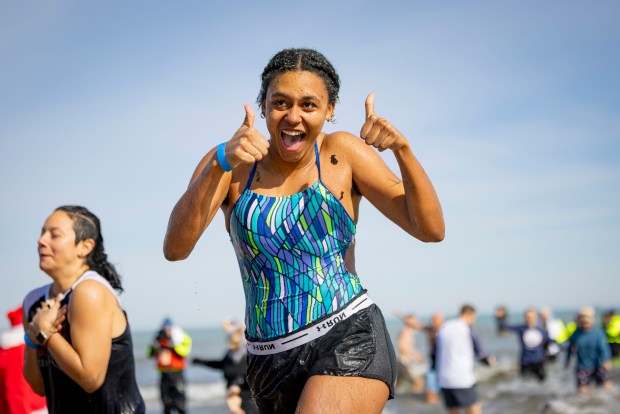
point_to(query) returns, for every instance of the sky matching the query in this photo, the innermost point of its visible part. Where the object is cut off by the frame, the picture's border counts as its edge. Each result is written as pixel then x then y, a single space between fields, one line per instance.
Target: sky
pixel 512 108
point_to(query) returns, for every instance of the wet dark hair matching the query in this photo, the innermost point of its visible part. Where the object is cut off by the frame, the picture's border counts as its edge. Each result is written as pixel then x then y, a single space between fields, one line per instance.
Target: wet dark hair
pixel 87 226
pixel 300 60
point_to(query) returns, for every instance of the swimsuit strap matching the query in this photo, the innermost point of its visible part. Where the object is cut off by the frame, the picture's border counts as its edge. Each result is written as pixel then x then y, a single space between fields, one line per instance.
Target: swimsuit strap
pixel 251 177
pixel 316 156
pixel 92 275
pixel 318 159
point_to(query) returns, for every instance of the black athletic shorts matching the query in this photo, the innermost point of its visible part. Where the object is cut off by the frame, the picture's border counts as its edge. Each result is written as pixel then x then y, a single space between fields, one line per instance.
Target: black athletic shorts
pixel 359 346
pixel 460 397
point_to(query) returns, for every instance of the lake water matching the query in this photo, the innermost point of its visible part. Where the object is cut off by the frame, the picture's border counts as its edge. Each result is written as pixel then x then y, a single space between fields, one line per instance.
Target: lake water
pixel 501 390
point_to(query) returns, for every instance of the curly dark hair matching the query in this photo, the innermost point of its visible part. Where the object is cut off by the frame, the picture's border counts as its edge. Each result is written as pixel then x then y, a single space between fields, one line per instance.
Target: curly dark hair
pixel 300 60
pixel 87 226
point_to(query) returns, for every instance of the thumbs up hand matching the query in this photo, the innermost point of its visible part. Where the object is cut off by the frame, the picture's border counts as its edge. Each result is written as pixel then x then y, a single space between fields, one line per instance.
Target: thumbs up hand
pixel 378 132
pixel 247 145
pixel 249 116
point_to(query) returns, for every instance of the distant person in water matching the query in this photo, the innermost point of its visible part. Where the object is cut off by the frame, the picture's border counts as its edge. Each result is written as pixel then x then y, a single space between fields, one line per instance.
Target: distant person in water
pixel 590 346
pixel 458 348
pixel 234 366
pixel 170 348
pixel 500 318
pixel 532 339
pixel 410 368
pixel 556 330
pixel 611 326
pixel 432 386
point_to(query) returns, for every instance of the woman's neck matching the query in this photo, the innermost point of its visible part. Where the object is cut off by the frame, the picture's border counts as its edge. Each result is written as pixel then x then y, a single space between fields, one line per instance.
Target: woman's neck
pixel 287 168
pixel 66 279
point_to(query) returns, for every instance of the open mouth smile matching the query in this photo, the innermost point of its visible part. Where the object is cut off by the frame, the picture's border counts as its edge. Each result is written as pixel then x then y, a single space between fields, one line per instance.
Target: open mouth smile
pixel 292 139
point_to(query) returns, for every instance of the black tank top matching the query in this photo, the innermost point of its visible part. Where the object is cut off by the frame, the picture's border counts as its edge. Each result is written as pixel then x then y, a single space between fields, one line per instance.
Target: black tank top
pixel 119 393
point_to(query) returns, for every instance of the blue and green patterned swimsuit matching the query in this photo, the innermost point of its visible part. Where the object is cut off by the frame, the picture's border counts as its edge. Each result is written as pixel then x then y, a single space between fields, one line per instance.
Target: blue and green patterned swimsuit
pixel 291 252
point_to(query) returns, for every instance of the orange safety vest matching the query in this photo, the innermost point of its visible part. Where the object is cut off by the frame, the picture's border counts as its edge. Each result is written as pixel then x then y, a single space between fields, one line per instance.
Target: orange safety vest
pixel 167 358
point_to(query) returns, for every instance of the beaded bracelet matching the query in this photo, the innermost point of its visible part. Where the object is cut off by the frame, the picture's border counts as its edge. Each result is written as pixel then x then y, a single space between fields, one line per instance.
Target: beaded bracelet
pixel 29 342
pixel 221 157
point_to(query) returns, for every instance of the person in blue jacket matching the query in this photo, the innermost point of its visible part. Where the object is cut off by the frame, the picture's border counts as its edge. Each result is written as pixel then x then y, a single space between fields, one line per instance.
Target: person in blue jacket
pixel 533 340
pixel 590 346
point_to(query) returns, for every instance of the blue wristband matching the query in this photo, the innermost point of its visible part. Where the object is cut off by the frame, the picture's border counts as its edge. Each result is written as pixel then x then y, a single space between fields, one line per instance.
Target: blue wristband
pixel 29 342
pixel 221 157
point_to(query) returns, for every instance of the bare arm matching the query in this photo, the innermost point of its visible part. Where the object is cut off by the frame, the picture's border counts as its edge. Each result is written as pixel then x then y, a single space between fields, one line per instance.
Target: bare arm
pixel 196 207
pixel 208 189
pixel 412 202
pixel 92 316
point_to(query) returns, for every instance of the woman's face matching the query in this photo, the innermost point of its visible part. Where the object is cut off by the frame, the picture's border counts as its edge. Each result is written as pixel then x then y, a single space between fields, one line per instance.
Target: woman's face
pixel 296 107
pixel 57 248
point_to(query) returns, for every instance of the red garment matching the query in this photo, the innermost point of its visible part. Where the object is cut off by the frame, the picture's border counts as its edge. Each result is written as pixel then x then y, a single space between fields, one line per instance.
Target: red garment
pixel 16 396
pixel 167 358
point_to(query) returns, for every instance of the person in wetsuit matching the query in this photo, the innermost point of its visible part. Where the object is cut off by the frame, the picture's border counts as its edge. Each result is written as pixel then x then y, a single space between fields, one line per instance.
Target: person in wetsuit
pixel 234 366
pixel 80 351
pixel 316 341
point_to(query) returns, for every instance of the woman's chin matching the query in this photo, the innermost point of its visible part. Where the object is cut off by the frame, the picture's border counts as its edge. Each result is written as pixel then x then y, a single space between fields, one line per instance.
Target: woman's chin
pixel 293 151
pixel 46 268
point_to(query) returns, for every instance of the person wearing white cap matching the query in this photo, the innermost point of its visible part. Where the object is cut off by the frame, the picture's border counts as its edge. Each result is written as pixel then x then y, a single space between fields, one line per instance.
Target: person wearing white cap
pixel 589 344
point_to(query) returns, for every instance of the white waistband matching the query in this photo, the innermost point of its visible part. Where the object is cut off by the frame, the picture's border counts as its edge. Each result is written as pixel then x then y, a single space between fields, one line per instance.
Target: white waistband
pixel 311 332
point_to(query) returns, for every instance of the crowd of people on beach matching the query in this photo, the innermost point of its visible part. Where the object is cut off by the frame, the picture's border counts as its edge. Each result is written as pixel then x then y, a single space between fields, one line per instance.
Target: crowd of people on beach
pixel 543 339
pixel 313 340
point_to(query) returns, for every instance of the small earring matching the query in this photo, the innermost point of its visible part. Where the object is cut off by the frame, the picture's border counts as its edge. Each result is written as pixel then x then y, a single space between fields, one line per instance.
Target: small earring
pixel 262 114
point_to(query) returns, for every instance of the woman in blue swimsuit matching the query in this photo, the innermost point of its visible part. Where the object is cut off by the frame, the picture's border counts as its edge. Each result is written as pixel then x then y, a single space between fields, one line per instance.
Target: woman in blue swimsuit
pixel 316 341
